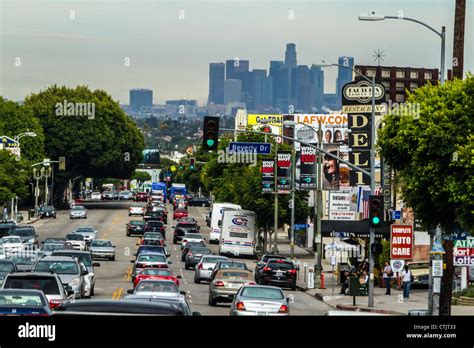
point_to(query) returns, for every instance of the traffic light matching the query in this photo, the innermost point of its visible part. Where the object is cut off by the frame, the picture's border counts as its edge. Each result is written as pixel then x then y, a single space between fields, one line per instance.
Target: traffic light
pixel 211 133
pixel 181 167
pixel 375 211
pixel 192 160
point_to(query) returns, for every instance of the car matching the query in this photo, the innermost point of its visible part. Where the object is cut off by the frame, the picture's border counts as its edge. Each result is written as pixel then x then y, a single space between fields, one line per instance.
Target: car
pixel 11 244
pixel 96 196
pixel 89 233
pixel 6 226
pixel 145 260
pixel 155 226
pixel 7 266
pixel 179 302
pixel 85 258
pixel 182 228
pixel 135 227
pixel 421 273
pixel 260 300
pixel 109 195
pixel 156 273
pixel 204 267
pixel 156 249
pixel 154 215
pixel 124 196
pixel 24 302
pixel 280 272
pixel 227 264
pixel 78 212
pixel 152 238
pixel 54 240
pixel 26 259
pixel 227 283
pixel 189 219
pixel 102 248
pixel 48 248
pixel 180 213
pixel 191 237
pixel 47 211
pixel 49 283
pixel 180 204
pixel 194 254
pixel 27 234
pixel 77 240
pixel 161 288
pixel 136 209
pixel 199 202
pixel 261 262
pixel 68 269
pixel 188 246
pixel 141 197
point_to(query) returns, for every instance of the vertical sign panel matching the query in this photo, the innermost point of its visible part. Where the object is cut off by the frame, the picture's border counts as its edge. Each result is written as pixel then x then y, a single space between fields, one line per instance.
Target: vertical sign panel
pixel 401 242
pixel 283 170
pixel 268 176
pixel 308 168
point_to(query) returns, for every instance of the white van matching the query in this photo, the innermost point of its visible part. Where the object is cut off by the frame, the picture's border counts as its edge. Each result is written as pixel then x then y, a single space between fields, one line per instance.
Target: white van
pixel 217 209
pixel 238 233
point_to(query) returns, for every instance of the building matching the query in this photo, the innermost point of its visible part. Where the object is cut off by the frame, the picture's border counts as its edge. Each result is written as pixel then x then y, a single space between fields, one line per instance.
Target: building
pixel 238 69
pixel 398 80
pixel 301 88
pixel 232 91
pixel 290 65
pixel 216 83
pixel 141 99
pixel 344 75
pixel 316 78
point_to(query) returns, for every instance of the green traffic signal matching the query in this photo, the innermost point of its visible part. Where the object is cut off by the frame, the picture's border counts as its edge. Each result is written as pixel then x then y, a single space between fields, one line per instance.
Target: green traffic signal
pixel 375 220
pixel 210 142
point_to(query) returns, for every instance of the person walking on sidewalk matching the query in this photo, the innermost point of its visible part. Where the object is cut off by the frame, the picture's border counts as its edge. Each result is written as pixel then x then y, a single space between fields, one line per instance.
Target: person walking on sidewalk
pixel 387 277
pixel 407 278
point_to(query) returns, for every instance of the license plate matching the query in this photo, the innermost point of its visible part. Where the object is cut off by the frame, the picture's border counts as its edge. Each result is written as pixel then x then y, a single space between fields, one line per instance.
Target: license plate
pixel 235 285
pixel 262 313
pixel 279 274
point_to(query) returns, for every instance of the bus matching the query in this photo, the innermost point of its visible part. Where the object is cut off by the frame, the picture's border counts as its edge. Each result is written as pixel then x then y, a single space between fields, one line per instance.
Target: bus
pixel 216 216
pixel 238 232
pixel 177 191
pixel 159 188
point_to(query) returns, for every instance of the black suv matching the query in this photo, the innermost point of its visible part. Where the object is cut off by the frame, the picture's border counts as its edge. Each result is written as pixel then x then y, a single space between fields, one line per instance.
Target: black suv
pixel 157 215
pixel 280 273
pixel 182 228
pixel 262 262
pixel 135 227
pixel 47 211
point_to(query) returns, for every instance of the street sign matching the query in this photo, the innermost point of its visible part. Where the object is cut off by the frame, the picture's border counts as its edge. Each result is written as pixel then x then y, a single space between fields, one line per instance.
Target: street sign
pixel 301 226
pixel 437 268
pixel 396 214
pixel 437 249
pixel 401 242
pixel 258 148
pixel 397 265
pixel 46 162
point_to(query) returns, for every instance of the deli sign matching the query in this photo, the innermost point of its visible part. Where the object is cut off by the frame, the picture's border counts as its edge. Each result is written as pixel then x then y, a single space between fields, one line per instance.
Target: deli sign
pixel 401 242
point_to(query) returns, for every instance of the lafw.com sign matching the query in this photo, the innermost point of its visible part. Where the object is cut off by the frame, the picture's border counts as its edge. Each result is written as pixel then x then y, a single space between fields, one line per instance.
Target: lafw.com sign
pixel 401 242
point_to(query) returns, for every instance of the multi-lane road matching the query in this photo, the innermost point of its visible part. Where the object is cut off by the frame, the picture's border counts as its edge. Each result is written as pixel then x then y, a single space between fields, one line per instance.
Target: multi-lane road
pixel 113 278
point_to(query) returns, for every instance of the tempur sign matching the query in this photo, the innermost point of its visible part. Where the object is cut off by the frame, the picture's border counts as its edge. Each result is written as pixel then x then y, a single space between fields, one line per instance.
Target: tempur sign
pixel 362 92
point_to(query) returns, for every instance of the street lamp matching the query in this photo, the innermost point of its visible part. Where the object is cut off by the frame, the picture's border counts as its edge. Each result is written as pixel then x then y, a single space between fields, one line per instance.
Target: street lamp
pixel 25 134
pixel 374 17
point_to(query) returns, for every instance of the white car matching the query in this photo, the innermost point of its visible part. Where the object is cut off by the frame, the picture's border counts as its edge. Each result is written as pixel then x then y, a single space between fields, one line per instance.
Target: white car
pixel 192 237
pixel 11 244
pixel 77 240
pixel 96 196
pixel 136 209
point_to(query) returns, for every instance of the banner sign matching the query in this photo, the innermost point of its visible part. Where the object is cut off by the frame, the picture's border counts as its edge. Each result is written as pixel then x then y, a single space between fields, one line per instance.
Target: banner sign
pixel 284 170
pixel 386 186
pixel 268 176
pixel 342 215
pixel 308 168
pixel 265 123
pixel 401 242
pixel 463 252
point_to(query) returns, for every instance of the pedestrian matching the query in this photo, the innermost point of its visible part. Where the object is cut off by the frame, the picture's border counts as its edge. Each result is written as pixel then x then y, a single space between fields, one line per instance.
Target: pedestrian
pixel 387 277
pixel 407 279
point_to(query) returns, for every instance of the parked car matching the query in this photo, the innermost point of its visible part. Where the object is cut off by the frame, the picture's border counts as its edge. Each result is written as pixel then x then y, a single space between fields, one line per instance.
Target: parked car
pixel 96 196
pixel 199 202
pixel 85 258
pixel 28 235
pixel 47 211
pixel 135 227
pixel 78 212
pixel 77 240
pixel 182 228
pixel 261 262
pixel 124 196
pixel 179 213
pixel 421 273
pixel 68 269
pixel 153 287
pixel 156 273
pixel 226 284
pixel 146 260
pixel 194 254
pixel 204 268
pixel 89 233
pixel 6 267
pixel 11 244
pixel 279 272
pixel 192 237
pixel 136 209
pixel 24 302
pixel 260 300
pixel 49 283
pixel 102 248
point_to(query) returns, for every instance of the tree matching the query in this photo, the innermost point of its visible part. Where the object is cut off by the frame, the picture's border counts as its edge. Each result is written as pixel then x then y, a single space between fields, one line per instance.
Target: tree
pixel 141 177
pixel 432 154
pixel 105 143
pixel 13 178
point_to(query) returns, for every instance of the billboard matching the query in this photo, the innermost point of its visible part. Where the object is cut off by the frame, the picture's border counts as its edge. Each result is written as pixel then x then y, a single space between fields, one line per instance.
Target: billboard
pixel 151 156
pixel 334 128
pixel 265 123
pixel 308 168
pixel 268 176
pixel 284 170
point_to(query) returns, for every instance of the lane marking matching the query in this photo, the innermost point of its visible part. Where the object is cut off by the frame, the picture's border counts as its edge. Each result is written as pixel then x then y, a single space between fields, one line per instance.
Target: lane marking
pixel 119 294
pixel 114 295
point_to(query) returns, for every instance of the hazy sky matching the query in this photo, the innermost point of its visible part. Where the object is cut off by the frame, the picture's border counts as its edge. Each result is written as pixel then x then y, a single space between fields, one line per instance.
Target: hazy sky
pixel 171 54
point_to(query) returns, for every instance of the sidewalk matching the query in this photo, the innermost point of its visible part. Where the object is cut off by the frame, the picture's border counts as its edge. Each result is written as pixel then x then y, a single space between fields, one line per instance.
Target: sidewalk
pixel 24 213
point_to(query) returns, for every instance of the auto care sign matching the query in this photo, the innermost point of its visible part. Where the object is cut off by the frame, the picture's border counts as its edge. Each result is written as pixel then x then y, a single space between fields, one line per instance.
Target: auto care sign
pixel 463 252
pixel 284 170
pixel 401 242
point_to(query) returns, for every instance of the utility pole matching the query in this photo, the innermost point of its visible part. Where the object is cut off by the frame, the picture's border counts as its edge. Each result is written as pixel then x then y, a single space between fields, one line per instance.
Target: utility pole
pixel 275 214
pixel 293 203
pixel 319 203
pixel 458 44
pixel 372 190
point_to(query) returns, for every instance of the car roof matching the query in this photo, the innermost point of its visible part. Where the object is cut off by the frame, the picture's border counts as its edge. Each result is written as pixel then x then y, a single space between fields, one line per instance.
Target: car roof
pixel 57 258
pixel 32 274
pixel 264 287
pixel 69 251
pixel 113 306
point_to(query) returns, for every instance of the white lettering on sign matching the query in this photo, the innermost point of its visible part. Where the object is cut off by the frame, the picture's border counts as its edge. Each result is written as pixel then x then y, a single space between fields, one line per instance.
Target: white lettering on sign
pixel 401 242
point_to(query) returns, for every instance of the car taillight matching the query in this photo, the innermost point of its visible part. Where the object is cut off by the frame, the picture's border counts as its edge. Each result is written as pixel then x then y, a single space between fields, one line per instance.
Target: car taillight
pixel 55 303
pixel 240 306
pixel 185 241
pixel 200 266
pixel 190 254
pixel 283 309
pixel 292 271
pixel 250 283
pixel 219 283
pixel 266 269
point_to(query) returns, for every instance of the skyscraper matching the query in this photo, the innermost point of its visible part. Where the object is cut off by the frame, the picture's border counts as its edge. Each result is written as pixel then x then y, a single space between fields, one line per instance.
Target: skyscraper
pixel 344 75
pixel 279 78
pixel 216 83
pixel 232 91
pixel 239 69
pixel 290 64
pixel 301 88
pixel 317 91
pixel 141 99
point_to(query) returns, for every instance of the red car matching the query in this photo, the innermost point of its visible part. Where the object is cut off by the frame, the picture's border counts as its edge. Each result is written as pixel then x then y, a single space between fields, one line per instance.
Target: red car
pixel 141 197
pixel 180 213
pixel 157 274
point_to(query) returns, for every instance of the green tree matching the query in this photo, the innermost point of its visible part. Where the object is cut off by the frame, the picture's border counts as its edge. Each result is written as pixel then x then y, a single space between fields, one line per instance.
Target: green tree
pixel 432 154
pixel 141 177
pixel 13 178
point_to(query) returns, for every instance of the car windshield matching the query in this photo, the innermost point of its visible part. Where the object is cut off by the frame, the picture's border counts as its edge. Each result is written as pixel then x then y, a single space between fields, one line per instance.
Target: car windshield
pixel 280 265
pixel 78 207
pixel 21 300
pixel 137 222
pixel 47 209
pixel 151 258
pixel 23 232
pixel 156 286
pixel 59 267
pixel 74 237
pixel 200 250
pixel 152 236
pixel 96 193
pixel 193 236
pixel 234 274
pixel 84 257
pixel 137 206
pixel 186 226
pixel 157 272
pixel 11 240
pixel 23 259
pixel 235 265
pixel 84 229
pixel 52 247
pixel 48 285
pixel 257 292
pixel 6 267
pixel 211 259
pixel 101 243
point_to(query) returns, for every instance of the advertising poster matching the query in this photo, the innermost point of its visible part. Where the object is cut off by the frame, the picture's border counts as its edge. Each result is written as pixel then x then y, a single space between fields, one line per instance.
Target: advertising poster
pixel 265 123
pixel 268 176
pixel 283 170
pixel 308 168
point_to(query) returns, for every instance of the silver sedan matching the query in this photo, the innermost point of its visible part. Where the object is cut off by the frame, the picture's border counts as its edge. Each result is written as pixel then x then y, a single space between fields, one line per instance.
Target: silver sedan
pixel 260 300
